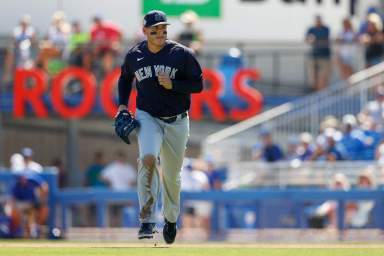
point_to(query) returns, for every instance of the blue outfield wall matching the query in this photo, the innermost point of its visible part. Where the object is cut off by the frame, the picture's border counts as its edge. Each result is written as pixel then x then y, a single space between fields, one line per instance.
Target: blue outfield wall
pixel 270 208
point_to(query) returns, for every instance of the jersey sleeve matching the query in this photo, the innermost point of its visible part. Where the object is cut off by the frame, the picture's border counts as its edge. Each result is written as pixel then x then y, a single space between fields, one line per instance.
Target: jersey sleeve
pixel 194 77
pixel 125 83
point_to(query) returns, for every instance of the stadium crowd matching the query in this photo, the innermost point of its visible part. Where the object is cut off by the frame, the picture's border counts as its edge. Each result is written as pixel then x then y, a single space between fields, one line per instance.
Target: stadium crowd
pixel 354 137
pixel 98 50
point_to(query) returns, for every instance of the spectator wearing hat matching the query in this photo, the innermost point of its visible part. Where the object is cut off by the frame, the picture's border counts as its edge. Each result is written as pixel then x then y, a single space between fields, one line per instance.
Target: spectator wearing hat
pixel 190 36
pixel 305 149
pixel 374 110
pixel 28 204
pixel 360 211
pixel 53 49
pixel 59 32
pixel 217 175
pixel 30 165
pixel 326 148
pixel 363 26
pixel 267 150
pixel 325 214
pixel 372 40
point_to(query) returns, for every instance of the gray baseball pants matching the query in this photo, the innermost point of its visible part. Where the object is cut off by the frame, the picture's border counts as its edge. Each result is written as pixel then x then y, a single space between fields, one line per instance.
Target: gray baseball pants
pixel 166 142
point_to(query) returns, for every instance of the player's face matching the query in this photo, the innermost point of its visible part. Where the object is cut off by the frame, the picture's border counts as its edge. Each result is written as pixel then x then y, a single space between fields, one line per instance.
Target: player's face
pixel 156 35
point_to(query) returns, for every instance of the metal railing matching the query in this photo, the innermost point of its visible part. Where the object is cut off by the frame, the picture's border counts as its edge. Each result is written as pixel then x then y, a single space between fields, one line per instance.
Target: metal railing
pixel 304 115
pixel 292 174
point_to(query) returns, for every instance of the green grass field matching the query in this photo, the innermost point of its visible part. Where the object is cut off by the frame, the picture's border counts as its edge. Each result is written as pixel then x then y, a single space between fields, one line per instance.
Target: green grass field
pixel 65 248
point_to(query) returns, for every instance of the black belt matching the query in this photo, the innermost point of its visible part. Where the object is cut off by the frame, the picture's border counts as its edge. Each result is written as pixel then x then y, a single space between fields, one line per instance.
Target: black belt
pixel 172 119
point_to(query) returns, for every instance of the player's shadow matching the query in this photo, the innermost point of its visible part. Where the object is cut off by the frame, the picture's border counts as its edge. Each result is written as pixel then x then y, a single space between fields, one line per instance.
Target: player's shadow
pixel 135 247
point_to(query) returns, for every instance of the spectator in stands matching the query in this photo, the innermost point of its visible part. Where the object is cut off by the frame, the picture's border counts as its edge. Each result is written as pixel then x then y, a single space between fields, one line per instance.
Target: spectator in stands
pixel 24 37
pixel 28 204
pixel 106 39
pixel 93 173
pixel 78 46
pixel 326 149
pixel 196 213
pixel 371 138
pixel 119 175
pixel 59 32
pixel 317 37
pixel 346 51
pixel 17 163
pixel 30 165
pixel 268 150
pixel 24 162
pixel 373 40
pixel 62 175
pixel 350 144
pixel 325 215
pixel 292 147
pixel 190 36
pixel 329 121
pixel 54 47
pixel 374 110
pixel 305 148
pixel 217 175
pixel 360 211
pixel 363 27
pixel 379 155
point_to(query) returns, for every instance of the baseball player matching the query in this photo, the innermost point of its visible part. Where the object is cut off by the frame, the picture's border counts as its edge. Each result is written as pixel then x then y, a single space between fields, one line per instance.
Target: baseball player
pixel 166 73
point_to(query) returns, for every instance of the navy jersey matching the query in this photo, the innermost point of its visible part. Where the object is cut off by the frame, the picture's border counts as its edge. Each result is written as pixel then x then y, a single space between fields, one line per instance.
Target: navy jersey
pixel 173 59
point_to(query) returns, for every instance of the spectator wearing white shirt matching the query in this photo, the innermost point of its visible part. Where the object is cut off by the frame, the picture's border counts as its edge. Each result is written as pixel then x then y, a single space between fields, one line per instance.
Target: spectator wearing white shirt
pixel 17 163
pixel 24 162
pixel 196 213
pixel 30 165
pixel 119 175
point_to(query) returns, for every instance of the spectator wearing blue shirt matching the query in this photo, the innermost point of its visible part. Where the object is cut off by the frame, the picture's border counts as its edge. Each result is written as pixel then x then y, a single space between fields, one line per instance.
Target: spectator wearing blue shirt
pixel 350 144
pixel 371 139
pixel 317 37
pixel 269 151
pixel 216 175
pixel 29 204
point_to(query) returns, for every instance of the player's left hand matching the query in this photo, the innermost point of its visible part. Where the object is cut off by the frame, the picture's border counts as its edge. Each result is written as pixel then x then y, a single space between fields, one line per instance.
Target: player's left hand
pixel 165 81
pixel 125 123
